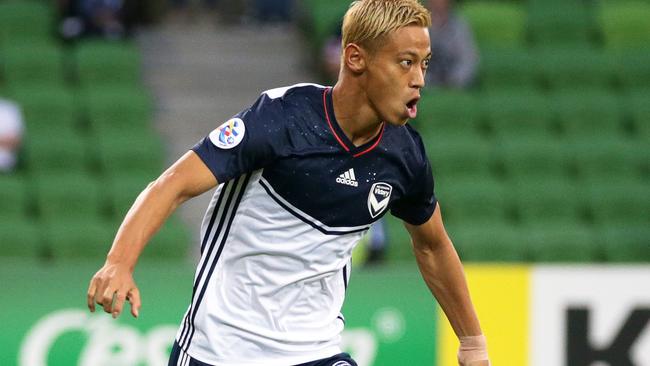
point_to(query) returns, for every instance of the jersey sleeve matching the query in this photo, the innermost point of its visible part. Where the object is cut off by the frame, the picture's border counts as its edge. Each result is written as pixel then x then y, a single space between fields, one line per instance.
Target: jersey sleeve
pixel 249 141
pixel 419 203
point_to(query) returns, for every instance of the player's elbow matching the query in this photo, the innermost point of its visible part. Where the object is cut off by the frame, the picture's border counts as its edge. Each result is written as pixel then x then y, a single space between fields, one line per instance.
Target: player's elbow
pixel 169 185
pixel 431 244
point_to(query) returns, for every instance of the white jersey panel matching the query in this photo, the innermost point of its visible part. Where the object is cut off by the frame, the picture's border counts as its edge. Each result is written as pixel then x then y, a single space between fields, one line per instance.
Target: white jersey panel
pixel 277 285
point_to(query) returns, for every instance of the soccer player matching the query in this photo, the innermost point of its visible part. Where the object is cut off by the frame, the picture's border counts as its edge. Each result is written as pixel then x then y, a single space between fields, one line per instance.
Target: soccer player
pixel 301 175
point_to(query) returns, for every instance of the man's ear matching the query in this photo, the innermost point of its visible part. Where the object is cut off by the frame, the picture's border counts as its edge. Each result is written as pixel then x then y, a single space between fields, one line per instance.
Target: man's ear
pixel 355 58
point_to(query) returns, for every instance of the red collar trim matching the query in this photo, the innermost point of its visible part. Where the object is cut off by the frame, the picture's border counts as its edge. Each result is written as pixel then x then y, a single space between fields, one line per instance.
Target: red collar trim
pixel 336 136
pixel 329 122
pixel 381 133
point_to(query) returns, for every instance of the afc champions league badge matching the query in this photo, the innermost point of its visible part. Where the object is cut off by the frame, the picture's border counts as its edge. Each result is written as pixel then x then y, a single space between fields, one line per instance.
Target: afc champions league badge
pixel 229 134
pixel 378 198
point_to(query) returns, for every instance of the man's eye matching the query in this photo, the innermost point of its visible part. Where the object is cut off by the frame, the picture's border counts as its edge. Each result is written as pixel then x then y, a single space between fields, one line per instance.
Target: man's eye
pixel 425 63
pixel 406 63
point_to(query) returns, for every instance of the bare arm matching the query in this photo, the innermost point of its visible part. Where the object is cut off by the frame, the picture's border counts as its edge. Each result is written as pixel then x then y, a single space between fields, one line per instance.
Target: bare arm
pixel 10 143
pixel 186 178
pixel 443 273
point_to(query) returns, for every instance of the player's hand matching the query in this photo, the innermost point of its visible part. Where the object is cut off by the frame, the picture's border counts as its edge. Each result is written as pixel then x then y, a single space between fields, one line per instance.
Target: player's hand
pixel 110 287
pixel 473 351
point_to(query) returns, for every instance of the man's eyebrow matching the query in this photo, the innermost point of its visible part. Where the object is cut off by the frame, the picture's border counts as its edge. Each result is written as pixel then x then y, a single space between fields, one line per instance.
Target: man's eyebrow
pixel 414 54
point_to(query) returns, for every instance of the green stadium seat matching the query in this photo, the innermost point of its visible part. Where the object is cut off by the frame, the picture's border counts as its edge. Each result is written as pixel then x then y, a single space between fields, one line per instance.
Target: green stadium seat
pixel 533 158
pixel 476 199
pixel 569 242
pixel 633 69
pixel 25 20
pixel 547 200
pixel 625 24
pixel 609 159
pixel 576 68
pixel 496 24
pixel 563 22
pixel 172 241
pixel 639 110
pixel 489 242
pixel 13 197
pixel 130 153
pixel 80 237
pixel 588 113
pixel 459 157
pixel 92 238
pixel 57 155
pixel 107 63
pixel 508 69
pixel 57 134
pixel 626 243
pixel 127 137
pixel 124 190
pixel 619 202
pixel 20 238
pixel 517 114
pixel 118 108
pixel 47 107
pixel 539 4
pixel 68 196
pixel 447 114
pixel 36 63
pixel 324 17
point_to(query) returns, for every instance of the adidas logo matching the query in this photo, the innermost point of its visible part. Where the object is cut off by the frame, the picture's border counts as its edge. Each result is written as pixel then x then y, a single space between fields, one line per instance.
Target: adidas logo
pixel 348 178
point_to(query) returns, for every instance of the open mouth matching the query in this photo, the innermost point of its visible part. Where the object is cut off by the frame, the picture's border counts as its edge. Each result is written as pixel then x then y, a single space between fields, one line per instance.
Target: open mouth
pixel 412 107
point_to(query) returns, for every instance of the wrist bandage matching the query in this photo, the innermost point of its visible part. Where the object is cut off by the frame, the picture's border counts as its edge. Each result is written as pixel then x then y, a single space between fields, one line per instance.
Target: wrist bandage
pixel 472 348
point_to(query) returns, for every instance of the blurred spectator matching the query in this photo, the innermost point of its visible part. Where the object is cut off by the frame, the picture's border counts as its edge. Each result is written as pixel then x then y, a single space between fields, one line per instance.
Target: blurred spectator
pixel 183 4
pixel 273 10
pixel 331 55
pixel 454 53
pixel 377 243
pixel 186 10
pixel 183 8
pixel 11 133
pixel 234 11
pixel 110 19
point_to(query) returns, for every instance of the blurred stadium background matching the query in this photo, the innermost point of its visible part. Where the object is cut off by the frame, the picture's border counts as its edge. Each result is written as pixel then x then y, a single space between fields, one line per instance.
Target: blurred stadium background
pixel 542 169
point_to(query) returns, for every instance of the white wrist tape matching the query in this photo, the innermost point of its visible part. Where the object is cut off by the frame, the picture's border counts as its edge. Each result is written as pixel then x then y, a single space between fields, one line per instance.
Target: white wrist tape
pixel 472 348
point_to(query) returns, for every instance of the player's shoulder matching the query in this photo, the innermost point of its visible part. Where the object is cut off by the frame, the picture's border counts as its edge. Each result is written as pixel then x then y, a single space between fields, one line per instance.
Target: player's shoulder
pixel 281 104
pixel 290 106
pixel 407 142
pixel 295 92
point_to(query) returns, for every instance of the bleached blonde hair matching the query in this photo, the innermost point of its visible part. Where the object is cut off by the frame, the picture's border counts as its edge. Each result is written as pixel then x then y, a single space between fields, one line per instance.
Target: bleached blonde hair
pixel 368 22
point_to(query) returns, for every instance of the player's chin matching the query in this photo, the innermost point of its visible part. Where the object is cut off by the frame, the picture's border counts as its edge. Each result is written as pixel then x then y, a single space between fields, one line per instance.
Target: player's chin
pixel 398 121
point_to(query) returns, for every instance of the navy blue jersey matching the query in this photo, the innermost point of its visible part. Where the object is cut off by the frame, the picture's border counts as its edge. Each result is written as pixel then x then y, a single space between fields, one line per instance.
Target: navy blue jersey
pixel 295 196
pixel 296 139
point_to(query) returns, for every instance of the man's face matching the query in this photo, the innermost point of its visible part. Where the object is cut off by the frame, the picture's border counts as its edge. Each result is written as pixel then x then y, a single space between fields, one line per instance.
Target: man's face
pixel 395 74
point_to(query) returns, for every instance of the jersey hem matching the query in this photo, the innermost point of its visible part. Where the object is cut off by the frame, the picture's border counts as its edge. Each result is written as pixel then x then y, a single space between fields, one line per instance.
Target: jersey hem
pixel 419 219
pixel 206 161
pixel 288 361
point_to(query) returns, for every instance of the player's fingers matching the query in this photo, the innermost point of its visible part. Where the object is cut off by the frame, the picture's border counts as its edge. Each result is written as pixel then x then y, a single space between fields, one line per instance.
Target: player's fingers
pixel 134 299
pixel 90 296
pixel 106 299
pixel 118 302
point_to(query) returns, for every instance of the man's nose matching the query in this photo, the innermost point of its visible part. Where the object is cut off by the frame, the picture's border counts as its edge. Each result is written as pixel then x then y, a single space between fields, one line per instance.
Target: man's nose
pixel 418 79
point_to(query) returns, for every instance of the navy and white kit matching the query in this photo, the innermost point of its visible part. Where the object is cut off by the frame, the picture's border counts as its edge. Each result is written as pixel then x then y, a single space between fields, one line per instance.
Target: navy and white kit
pixel 294 197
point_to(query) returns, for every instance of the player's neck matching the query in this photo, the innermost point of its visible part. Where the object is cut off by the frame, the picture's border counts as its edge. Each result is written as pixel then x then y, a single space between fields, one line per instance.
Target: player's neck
pixel 354 114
